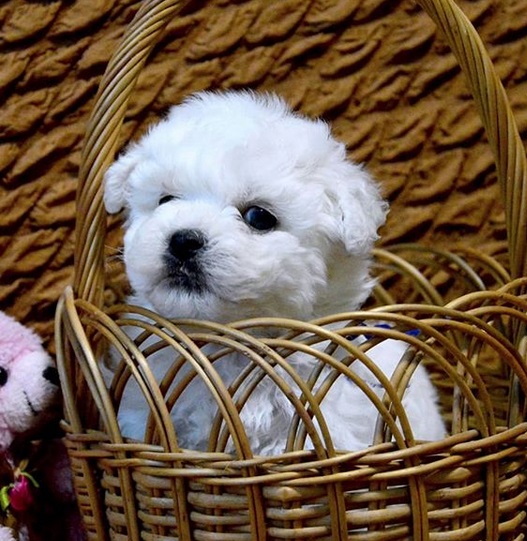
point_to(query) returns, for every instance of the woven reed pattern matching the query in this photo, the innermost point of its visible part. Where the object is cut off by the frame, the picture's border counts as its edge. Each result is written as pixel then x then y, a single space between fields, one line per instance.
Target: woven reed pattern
pixel 463 317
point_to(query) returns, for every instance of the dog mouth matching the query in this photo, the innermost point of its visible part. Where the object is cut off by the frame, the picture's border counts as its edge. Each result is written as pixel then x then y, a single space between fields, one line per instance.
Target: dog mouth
pixel 182 260
pixel 185 275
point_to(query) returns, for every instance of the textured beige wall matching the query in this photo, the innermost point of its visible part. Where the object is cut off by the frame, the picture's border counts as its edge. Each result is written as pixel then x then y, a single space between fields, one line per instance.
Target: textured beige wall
pixel 375 68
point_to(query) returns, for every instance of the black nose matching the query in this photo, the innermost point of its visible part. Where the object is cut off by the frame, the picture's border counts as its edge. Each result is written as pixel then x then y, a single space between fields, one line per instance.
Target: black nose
pixel 51 374
pixel 185 244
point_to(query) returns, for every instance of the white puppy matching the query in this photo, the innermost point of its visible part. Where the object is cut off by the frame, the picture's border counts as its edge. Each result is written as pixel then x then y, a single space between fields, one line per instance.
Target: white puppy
pixel 238 207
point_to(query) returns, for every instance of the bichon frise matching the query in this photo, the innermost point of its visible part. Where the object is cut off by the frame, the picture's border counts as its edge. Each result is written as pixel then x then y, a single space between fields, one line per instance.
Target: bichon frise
pixel 237 207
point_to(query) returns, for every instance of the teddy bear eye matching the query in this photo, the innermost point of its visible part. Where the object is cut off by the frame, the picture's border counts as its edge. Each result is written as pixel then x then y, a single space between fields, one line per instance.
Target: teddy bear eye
pixel 3 376
pixel 165 199
pixel 259 218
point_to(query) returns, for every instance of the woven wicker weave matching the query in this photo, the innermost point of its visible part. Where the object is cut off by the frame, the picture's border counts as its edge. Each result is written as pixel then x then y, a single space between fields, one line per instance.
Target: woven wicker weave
pixel 470 486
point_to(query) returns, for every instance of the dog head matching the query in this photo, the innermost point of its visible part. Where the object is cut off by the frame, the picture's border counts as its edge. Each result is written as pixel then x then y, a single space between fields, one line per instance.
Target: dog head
pixel 238 207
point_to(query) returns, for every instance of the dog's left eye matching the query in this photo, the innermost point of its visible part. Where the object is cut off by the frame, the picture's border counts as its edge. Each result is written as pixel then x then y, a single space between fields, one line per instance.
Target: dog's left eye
pixel 259 218
pixel 165 199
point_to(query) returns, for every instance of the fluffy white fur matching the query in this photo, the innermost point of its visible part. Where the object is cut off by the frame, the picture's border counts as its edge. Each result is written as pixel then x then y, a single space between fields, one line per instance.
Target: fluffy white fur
pixel 218 155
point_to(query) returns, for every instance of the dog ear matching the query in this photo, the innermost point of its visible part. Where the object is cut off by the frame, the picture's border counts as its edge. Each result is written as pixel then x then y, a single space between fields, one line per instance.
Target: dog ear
pixel 116 185
pixel 361 209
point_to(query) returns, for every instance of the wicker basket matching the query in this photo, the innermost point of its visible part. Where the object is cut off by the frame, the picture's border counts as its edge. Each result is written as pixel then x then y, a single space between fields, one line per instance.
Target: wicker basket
pixel 471 485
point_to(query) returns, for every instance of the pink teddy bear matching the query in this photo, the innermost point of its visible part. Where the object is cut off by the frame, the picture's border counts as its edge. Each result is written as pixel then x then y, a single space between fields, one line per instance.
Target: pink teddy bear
pixel 28 388
pixel 28 380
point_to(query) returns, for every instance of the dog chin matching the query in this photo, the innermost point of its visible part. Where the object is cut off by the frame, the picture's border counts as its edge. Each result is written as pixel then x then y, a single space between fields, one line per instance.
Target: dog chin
pixel 174 303
pixel 177 303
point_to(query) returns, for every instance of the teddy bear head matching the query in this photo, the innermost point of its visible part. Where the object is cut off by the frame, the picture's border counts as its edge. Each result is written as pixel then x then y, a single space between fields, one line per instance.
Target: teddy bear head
pixel 28 380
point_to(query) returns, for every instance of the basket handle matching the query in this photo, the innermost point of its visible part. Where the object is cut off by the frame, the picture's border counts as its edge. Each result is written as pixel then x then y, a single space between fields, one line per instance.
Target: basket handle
pixel 497 118
pixel 101 141
pixel 123 71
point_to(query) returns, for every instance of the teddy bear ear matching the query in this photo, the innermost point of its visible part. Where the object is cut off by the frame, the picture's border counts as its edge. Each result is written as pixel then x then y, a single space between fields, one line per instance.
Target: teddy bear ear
pixel 116 181
pixel 361 209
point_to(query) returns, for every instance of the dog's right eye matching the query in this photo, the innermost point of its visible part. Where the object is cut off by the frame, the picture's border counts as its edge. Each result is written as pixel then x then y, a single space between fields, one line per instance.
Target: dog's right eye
pixel 259 218
pixel 166 199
